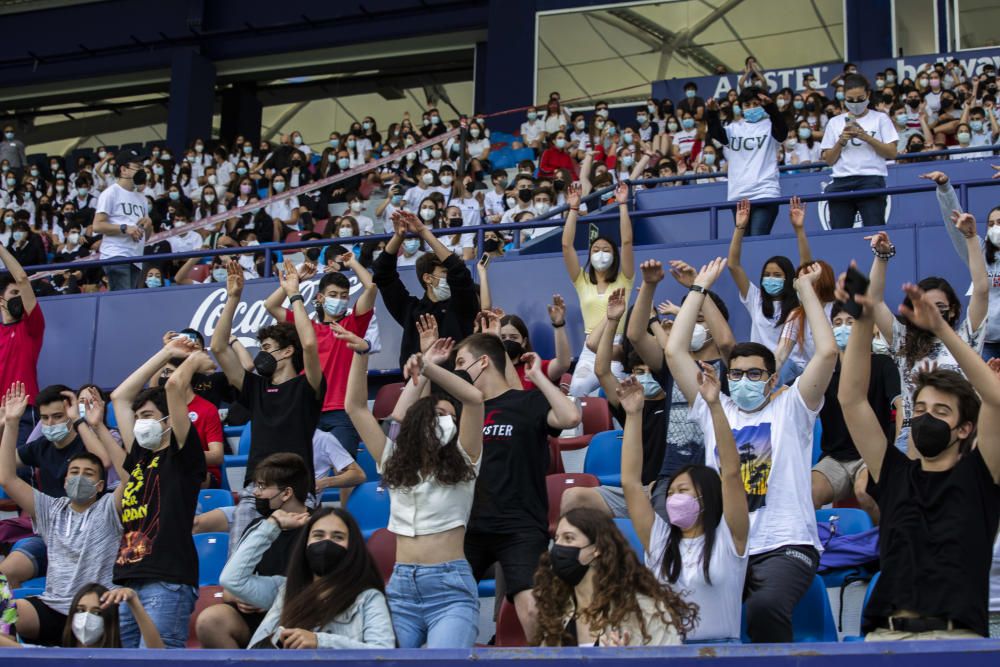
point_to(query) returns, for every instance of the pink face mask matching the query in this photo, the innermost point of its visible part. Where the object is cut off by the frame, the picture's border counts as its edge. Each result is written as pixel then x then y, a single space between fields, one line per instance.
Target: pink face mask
pixel 683 510
pixel 245 189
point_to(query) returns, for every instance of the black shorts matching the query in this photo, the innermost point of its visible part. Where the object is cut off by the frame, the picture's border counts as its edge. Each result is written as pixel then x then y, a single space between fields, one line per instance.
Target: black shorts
pixel 253 621
pixel 517 553
pixel 51 624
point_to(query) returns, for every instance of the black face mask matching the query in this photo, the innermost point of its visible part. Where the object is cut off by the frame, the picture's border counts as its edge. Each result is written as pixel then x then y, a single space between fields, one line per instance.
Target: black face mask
pixel 455 222
pixel 930 435
pixel 524 195
pixel 559 185
pixel 810 106
pixel 139 177
pixel 491 245
pixel 566 563
pixel 514 349
pixel 913 104
pixel 296 163
pixel 15 307
pixel 265 364
pixel 324 557
pixel 263 506
pixel 945 104
pixel 916 147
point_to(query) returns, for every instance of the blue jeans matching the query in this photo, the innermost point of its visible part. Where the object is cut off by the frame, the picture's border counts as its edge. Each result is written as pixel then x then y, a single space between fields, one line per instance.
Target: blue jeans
pixel 991 350
pixel 339 424
pixel 168 605
pixel 122 276
pixel 843 211
pixel 434 604
pixel 761 219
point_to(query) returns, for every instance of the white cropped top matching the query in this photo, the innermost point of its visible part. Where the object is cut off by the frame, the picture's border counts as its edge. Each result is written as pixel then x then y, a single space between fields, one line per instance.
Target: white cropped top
pixel 429 507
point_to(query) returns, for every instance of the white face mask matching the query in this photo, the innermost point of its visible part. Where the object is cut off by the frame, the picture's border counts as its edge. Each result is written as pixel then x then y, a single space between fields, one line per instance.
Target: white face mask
pixel 355 206
pixel 447 180
pixel 88 628
pixel 993 234
pixel 541 208
pixel 428 214
pixel 427 178
pixel 442 291
pixel 446 429
pixel 148 433
pixel 511 202
pixel 345 232
pixel 601 260
pixel 699 337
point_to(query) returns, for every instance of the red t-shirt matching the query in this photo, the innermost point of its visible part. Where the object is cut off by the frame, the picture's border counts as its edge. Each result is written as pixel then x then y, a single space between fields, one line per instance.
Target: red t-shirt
pixel 525 382
pixel 334 355
pixel 205 419
pixel 20 345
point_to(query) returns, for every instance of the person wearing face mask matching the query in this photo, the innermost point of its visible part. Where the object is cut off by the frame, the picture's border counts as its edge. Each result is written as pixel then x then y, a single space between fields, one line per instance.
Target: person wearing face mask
pixel 25 245
pixel 593 591
pixel 94 622
pixel 162 468
pixel 78 528
pixel 333 314
pixel 983 127
pixel 355 205
pixel 840 473
pixel 523 195
pixel 989 248
pixel 913 347
pixel 556 156
pixel 329 562
pixel 533 130
pixel 24 325
pixel 430 470
pixel 700 546
pixel 450 295
pixel 122 216
pixel 608 268
pixel 284 404
pixel 775 456
pixel 12 151
pixel 515 338
pixel 857 144
pixel 750 146
pixel 426 184
pixel 282 483
pixel 943 500
pixel 285 212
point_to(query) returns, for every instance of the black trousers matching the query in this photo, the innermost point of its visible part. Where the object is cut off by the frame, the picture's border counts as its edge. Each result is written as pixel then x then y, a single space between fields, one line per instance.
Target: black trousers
pixel 776 581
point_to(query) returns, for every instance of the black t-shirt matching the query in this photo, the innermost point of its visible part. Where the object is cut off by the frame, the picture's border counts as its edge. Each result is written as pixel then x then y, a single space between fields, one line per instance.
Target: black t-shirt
pixel 275 560
pixel 882 389
pixel 215 388
pixel 510 491
pixel 655 416
pixel 283 418
pixel 51 462
pixel 936 540
pixel 158 513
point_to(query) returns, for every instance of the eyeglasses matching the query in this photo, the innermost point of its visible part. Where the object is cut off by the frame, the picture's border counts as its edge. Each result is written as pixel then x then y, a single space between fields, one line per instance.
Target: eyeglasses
pixel 753 374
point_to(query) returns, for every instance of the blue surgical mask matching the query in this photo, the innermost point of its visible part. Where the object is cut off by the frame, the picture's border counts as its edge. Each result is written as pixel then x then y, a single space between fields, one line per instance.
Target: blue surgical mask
pixel 650 387
pixel 279 186
pixel 748 394
pixel 805 133
pixel 396 199
pixel 690 94
pixel 754 114
pixel 976 125
pixel 773 286
pixel 55 432
pixel 687 123
pixel 153 282
pixel 708 158
pixel 335 307
pixel 841 334
pixel 220 275
pixel 798 104
pixel 343 162
pixel 839 95
pixel 411 246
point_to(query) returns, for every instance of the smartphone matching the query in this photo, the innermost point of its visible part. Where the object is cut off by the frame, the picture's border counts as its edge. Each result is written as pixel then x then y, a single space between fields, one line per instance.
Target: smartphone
pixel 484 261
pixel 83 411
pixel 854 283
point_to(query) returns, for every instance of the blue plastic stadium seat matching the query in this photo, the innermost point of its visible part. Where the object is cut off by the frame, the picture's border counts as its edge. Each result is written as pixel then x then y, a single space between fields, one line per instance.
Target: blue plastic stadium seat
pixel 213 499
pixel 488 588
pixel 369 504
pixel 229 462
pixel 244 447
pixel 812 618
pixel 864 605
pixel 367 463
pixel 848 520
pixel 109 415
pixel 817 441
pixel 604 458
pixel 628 530
pixel 331 495
pixel 212 551
pixel 27 592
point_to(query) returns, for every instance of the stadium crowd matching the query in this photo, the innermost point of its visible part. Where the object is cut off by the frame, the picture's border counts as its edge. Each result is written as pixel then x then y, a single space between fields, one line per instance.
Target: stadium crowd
pixel 716 470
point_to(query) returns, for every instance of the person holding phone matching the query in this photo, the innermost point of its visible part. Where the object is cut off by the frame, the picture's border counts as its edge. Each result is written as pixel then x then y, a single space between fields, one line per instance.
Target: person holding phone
pixel 857 145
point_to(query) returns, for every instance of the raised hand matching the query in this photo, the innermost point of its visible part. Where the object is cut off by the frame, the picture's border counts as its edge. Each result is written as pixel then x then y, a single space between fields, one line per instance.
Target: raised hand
pixel 532 366
pixel 708 383
pixel 630 395
pixel 994 365
pixel 996 168
pixel 880 242
pixel 809 275
pixel 352 340
pixel 575 191
pixel 234 280
pixel 288 278
pixel 346 258
pixel 621 193
pixel 93 406
pixel 489 322
pixel 965 223
pixel 307 270
pixel 557 311
pixel 938 177
pixel 616 304
pixel 668 308
pixel 440 351
pixel 181 346
pixel 73 405
pixel 710 273
pixel 202 361
pixel 924 312
pixel 290 520
pixel 797 213
pixel 427 329
pixel 683 272
pixel 15 402
pixel 743 214
pixel 652 271
pixel 117 596
pixel 413 367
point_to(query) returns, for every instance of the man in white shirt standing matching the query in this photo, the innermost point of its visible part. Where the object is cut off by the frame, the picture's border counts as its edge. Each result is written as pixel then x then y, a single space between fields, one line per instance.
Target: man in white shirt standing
pixel 857 144
pixel 123 218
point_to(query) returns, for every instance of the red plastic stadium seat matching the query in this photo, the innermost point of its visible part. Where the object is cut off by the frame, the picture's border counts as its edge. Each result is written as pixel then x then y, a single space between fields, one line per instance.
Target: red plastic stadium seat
pixel 382 547
pixel 293 237
pixel 320 226
pixel 596 418
pixel 199 272
pixel 385 399
pixel 509 630
pixel 555 458
pixel 207 596
pixel 565 381
pixel 557 485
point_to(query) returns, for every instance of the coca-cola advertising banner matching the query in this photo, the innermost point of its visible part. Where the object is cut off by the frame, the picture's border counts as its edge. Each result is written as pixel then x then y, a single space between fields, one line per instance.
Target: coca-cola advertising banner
pixel 794 77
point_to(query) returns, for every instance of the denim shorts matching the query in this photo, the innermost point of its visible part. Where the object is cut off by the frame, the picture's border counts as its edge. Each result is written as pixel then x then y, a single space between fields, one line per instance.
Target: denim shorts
pixel 34 550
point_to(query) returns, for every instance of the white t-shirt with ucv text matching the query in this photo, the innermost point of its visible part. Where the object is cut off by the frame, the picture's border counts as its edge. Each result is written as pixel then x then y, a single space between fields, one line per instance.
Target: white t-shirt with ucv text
pixel 123 207
pixel 858 158
pixel 775 446
pixel 752 154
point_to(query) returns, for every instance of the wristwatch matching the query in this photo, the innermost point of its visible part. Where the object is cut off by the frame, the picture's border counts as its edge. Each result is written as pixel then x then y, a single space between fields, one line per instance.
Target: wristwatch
pixel 296 297
pixel 124 228
pixel 79 421
pixel 697 288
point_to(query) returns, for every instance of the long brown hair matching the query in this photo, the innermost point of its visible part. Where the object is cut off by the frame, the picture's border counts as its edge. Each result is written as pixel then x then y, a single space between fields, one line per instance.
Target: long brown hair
pixel 112 635
pixel 619 578
pixel 418 454
pixel 312 603
pixel 824 287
